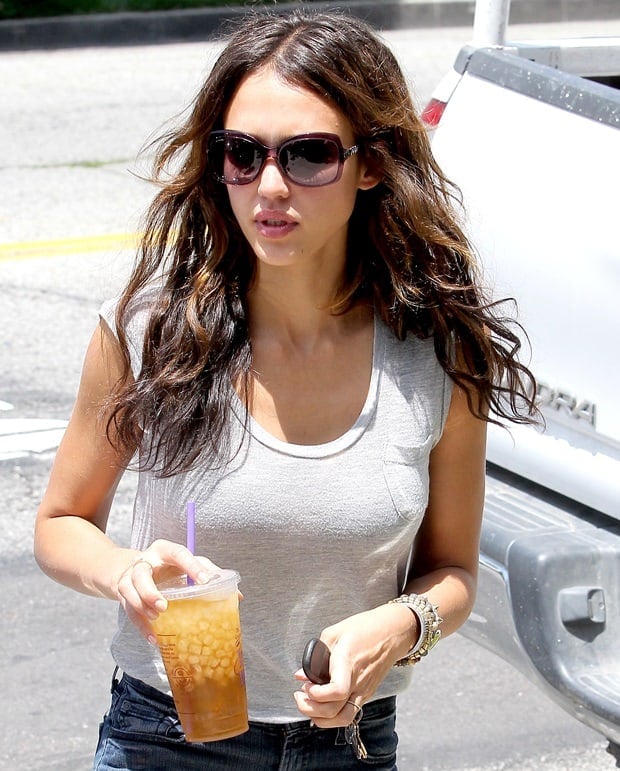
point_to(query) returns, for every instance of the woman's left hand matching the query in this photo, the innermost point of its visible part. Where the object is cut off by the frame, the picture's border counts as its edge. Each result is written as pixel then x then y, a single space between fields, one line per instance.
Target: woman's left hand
pixel 364 648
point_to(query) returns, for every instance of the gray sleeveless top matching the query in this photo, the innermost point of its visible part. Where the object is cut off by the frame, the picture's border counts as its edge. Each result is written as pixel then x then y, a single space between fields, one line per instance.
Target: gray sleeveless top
pixel 317 533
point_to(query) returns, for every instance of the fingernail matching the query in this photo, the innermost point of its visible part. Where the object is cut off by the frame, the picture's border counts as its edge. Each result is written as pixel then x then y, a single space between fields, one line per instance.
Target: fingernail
pixel 161 605
pixel 202 577
pixel 152 640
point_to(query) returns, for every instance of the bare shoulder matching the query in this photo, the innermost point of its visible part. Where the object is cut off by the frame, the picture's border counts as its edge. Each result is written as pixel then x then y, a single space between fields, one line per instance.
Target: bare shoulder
pixel 103 367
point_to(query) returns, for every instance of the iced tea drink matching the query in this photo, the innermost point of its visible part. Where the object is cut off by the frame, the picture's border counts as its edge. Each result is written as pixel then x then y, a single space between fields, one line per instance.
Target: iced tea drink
pixel 199 638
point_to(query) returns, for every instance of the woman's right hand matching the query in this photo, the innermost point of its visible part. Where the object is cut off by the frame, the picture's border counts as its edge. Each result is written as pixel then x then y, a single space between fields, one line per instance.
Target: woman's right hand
pixel 137 584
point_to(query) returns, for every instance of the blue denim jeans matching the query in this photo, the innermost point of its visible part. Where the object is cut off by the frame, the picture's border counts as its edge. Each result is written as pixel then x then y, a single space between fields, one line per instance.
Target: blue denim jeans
pixel 141 731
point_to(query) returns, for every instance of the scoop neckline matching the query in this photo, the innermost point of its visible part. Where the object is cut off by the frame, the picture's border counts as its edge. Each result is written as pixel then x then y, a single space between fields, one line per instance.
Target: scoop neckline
pixel 348 438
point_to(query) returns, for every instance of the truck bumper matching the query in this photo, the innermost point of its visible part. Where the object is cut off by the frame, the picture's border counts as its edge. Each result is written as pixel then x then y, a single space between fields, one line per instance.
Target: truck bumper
pixel 549 597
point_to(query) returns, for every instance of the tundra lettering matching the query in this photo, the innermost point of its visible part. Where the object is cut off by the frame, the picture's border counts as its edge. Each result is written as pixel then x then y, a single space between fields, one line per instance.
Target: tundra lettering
pixel 562 401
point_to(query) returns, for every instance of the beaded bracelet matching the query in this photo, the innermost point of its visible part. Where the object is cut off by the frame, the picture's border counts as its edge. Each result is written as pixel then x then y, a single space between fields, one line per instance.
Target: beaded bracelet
pixel 429 620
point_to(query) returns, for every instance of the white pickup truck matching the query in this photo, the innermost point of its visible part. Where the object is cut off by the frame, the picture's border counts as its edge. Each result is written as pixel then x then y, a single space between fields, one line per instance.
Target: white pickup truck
pixel 530 132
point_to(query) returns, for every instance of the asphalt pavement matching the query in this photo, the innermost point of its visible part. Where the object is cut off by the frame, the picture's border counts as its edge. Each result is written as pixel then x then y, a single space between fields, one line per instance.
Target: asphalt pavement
pixel 206 23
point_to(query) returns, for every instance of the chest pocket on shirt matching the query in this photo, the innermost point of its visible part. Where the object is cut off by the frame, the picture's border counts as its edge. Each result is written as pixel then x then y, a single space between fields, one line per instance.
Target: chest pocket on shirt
pixel 405 469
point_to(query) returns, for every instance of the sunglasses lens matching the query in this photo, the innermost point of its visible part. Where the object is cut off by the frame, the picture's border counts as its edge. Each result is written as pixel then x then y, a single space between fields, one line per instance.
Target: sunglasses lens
pixel 311 161
pixel 236 160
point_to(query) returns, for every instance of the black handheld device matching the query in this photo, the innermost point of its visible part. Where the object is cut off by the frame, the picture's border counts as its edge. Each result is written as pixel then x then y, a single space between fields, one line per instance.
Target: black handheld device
pixel 315 661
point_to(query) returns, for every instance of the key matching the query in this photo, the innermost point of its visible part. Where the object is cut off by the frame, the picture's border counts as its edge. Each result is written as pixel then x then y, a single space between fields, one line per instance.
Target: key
pixel 352 737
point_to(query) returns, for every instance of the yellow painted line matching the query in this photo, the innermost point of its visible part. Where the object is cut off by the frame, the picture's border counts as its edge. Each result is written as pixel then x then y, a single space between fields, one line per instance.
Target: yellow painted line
pixel 22 250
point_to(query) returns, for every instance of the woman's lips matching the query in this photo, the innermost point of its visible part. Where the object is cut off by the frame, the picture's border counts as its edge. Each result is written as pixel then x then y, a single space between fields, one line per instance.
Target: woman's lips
pixel 274 224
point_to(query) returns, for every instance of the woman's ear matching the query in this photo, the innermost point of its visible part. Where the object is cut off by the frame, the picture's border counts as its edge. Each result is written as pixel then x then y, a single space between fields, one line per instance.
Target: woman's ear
pixel 368 179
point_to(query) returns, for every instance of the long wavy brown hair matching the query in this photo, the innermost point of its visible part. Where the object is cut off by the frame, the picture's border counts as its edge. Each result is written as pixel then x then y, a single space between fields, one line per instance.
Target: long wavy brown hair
pixel 407 253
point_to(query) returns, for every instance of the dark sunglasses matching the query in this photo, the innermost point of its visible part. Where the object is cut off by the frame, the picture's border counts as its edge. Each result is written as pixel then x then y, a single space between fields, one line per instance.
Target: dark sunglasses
pixel 310 160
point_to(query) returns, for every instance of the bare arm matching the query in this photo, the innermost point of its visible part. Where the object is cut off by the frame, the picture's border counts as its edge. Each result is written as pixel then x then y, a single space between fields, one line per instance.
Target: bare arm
pixel 445 564
pixel 365 646
pixel 70 543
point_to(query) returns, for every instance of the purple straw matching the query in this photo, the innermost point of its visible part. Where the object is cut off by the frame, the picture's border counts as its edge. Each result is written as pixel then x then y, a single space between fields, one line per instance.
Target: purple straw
pixel 191 532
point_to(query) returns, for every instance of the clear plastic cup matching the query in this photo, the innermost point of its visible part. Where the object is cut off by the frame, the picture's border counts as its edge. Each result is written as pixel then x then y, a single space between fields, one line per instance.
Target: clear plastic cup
pixel 199 638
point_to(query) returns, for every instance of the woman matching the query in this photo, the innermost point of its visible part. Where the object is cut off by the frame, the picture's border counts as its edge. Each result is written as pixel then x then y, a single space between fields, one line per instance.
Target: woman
pixel 304 350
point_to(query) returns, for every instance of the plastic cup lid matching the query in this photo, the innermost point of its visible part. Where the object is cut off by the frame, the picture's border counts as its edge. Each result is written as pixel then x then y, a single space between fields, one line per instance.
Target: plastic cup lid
pixel 221 582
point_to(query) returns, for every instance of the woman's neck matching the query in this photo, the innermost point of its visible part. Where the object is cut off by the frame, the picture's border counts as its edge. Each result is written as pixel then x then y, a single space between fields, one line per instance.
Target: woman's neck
pixel 290 304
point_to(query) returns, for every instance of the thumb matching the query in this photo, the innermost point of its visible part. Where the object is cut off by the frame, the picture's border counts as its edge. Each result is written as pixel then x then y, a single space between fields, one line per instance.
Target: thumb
pixel 340 678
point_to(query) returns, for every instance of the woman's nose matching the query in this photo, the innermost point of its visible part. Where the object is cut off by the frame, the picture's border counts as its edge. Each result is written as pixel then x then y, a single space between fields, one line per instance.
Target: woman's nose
pixel 272 182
